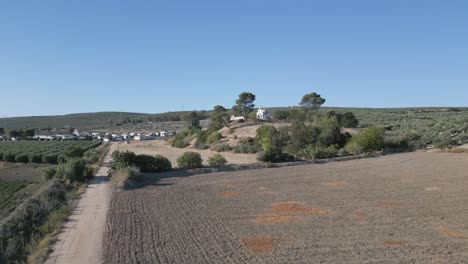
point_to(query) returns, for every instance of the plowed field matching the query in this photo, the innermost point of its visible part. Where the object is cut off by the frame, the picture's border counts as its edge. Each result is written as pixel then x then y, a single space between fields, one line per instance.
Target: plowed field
pixel 405 208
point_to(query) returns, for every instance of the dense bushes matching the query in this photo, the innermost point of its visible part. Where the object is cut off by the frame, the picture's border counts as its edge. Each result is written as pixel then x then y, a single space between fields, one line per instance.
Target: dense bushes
pixel 190 160
pixel 44 151
pixel 183 138
pixel 50 159
pixel 145 163
pixel 73 170
pixel 247 145
pixel 217 160
pixel 22 158
pixel 30 222
pixel 272 142
pixel 369 139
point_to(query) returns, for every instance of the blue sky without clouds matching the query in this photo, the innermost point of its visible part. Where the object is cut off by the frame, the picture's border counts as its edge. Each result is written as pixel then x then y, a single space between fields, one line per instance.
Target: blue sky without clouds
pixel 60 57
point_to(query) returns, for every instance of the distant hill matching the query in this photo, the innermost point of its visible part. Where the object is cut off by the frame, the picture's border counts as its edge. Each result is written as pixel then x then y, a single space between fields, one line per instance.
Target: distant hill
pixel 124 121
pixel 89 121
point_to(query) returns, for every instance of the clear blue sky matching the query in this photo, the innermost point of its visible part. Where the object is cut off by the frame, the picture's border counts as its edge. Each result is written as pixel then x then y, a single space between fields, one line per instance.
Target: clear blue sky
pixel 72 56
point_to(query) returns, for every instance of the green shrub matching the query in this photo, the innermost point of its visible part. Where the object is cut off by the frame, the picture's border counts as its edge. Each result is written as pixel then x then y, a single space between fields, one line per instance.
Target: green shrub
pixel 247 145
pixel 9 157
pixel 190 160
pixel 48 173
pixel 213 138
pixel 223 148
pixel 217 160
pixel 369 139
pixel 91 156
pixel 124 177
pixel 50 159
pixel 35 158
pixel 73 170
pixel 22 158
pixel 122 159
pixel 147 163
pixel 62 158
pixel 73 152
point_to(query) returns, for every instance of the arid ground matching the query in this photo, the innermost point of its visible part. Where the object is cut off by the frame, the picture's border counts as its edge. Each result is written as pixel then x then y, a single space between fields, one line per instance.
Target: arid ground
pixel 161 147
pixel 404 208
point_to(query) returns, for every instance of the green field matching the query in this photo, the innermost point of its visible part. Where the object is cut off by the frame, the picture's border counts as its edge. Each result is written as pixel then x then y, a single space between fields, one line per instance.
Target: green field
pixel 16 185
pixel 39 151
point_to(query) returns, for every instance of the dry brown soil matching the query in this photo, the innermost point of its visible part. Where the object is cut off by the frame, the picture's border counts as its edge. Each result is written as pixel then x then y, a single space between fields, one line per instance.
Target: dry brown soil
pixel 161 147
pixel 378 216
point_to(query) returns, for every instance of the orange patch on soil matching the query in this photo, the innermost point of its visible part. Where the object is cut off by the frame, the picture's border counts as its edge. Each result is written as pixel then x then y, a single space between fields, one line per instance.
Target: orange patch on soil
pixel 462 234
pixel 359 216
pixel 294 207
pixel 393 243
pixel 336 184
pixel 390 203
pixel 275 219
pixel 259 244
pixel 230 194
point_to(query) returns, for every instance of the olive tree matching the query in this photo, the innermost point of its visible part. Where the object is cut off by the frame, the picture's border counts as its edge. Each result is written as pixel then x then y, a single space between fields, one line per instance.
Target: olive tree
pixel 244 104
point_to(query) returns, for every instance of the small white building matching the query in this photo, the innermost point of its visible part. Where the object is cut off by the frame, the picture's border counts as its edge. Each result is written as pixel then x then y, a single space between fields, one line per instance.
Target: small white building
pixel 262 114
pixel 237 118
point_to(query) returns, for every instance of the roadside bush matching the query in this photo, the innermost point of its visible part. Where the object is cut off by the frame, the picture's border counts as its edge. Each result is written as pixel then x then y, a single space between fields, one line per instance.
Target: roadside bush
pixel 73 170
pixel 89 172
pixel 22 158
pixel 50 159
pixel 223 148
pixel 124 177
pixel 190 160
pixel 1 156
pixel 217 160
pixel 91 156
pixel 29 222
pixel 147 163
pixel 48 173
pixel 369 139
pixel 122 159
pixel 35 158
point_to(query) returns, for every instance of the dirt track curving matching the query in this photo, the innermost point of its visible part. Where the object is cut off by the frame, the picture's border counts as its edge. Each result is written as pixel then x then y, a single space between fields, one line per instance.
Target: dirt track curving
pixel 406 208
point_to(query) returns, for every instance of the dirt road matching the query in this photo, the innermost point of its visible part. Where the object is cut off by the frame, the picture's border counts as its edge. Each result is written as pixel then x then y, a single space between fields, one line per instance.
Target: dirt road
pixel 405 208
pixel 81 238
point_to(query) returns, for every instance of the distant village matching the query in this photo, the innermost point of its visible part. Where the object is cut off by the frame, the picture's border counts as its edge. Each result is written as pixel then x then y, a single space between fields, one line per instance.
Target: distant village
pixel 77 135
pixel 74 134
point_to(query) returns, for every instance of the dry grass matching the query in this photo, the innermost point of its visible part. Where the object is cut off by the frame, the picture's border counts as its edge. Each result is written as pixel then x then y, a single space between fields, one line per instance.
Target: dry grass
pixel 161 147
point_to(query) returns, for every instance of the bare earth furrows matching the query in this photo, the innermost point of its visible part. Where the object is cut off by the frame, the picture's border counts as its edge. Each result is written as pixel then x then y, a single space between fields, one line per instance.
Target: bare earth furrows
pixel 405 208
